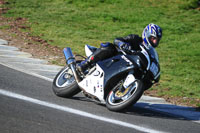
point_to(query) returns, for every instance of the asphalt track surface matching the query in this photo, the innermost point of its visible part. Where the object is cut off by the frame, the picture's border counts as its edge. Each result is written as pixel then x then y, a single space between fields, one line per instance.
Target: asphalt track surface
pixel 27 104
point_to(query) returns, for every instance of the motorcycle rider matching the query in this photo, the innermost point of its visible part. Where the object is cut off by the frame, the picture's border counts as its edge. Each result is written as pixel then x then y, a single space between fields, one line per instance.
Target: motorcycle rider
pixel 151 36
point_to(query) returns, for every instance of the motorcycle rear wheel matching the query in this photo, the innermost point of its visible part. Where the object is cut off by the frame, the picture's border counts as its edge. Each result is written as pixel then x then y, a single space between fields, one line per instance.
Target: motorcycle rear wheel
pixel 118 100
pixel 64 84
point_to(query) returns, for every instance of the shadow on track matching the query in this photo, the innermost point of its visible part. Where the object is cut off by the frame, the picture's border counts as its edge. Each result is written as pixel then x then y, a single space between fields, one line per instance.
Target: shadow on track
pixel 166 111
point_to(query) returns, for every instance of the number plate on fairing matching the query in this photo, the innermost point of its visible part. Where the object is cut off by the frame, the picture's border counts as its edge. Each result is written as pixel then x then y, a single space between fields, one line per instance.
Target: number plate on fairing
pixel 154 69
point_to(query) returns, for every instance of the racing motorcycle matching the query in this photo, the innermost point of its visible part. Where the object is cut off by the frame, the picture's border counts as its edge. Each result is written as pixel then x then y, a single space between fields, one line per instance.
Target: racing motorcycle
pixel 117 82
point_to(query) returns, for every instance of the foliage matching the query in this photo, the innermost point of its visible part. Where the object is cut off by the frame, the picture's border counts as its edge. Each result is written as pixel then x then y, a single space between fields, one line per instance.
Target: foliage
pixel 74 23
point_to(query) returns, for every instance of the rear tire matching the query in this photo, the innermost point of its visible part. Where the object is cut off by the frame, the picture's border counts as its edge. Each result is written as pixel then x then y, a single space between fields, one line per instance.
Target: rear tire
pixel 64 84
pixel 118 101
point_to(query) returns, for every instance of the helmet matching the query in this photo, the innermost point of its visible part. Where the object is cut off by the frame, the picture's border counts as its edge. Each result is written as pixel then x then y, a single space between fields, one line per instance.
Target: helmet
pixel 151 35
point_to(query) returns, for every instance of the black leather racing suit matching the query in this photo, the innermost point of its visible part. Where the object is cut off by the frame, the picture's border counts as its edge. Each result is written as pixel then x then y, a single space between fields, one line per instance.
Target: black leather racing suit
pixel 132 40
pixel 107 50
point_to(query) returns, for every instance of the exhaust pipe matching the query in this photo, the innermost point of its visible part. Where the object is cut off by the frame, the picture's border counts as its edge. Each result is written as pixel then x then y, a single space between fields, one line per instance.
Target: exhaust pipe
pixel 71 62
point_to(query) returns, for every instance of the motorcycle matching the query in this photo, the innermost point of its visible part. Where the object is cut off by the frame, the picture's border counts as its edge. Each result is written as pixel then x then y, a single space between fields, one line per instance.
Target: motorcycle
pixel 117 82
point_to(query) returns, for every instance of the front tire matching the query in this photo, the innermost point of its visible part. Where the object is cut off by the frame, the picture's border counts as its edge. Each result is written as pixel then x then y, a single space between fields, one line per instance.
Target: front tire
pixel 118 100
pixel 64 84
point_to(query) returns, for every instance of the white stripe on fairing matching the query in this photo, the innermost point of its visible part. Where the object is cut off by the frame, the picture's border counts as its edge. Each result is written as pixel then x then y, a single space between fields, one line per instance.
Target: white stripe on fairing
pixel 75 111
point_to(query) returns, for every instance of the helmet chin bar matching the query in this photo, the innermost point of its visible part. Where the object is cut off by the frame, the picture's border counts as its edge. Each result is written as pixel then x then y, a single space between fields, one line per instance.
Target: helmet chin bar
pixel 154 41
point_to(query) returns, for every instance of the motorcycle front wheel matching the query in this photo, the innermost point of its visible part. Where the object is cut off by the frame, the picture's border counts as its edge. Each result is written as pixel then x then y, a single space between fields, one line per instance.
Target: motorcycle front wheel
pixel 121 98
pixel 64 84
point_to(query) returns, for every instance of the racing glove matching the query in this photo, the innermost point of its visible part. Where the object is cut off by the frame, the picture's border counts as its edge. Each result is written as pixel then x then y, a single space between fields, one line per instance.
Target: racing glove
pixel 124 46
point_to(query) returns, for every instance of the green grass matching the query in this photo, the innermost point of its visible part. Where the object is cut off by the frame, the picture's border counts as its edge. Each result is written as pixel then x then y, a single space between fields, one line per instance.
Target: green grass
pixel 74 23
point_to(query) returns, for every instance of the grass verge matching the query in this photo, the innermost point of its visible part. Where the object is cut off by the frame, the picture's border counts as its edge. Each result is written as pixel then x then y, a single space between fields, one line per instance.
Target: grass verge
pixel 76 23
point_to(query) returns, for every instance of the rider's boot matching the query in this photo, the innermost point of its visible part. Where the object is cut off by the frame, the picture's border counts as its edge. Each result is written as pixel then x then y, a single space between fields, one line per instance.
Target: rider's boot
pixel 84 65
pixel 99 54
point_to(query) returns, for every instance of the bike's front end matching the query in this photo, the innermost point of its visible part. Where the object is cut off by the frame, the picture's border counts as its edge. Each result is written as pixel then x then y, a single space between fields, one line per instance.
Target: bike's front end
pixel 144 73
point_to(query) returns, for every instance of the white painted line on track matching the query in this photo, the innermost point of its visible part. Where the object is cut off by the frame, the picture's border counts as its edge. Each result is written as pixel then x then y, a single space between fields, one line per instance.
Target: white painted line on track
pixel 27 72
pixel 76 112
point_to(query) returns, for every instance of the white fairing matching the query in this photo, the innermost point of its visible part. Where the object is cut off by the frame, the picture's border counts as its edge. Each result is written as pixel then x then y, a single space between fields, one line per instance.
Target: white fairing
pixel 146 55
pixel 88 52
pixel 94 83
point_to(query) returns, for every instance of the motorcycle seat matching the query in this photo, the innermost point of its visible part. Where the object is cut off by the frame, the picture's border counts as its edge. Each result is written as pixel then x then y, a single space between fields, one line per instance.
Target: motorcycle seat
pixel 89 49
